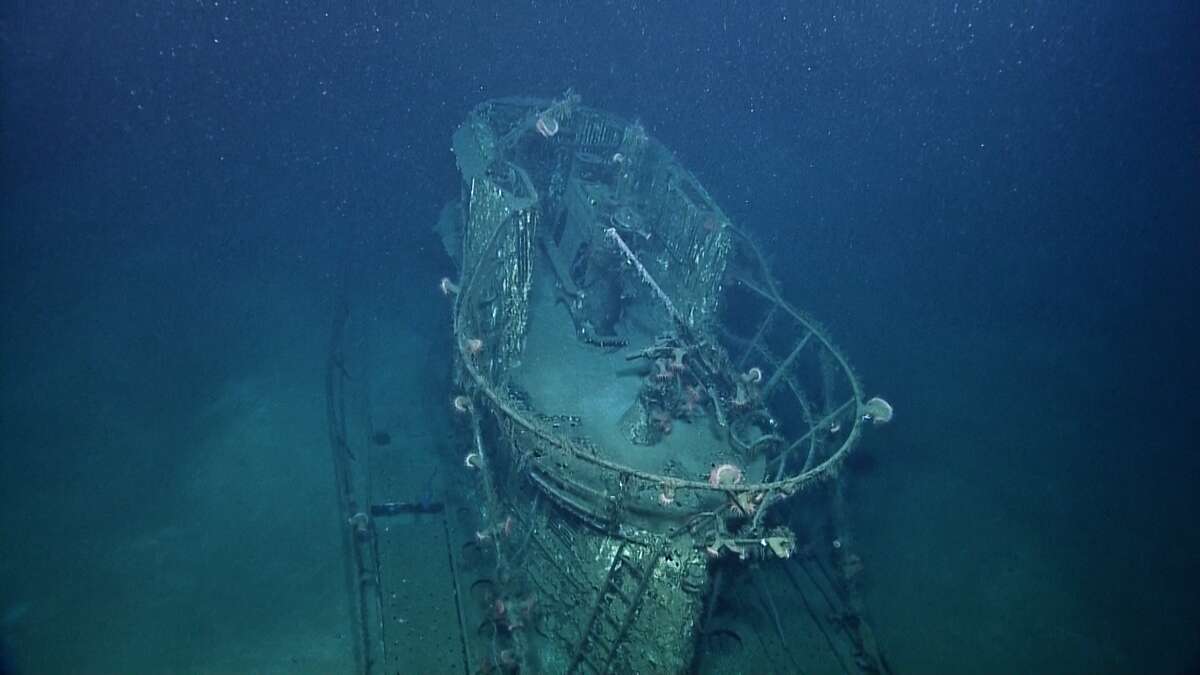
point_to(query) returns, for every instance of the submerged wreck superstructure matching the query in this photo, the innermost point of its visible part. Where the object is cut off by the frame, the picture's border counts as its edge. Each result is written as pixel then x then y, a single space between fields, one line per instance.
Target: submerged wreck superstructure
pixel 642 410
pixel 640 396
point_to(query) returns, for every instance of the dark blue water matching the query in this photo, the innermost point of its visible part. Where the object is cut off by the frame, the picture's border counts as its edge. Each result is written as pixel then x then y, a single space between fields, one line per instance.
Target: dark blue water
pixel 994 209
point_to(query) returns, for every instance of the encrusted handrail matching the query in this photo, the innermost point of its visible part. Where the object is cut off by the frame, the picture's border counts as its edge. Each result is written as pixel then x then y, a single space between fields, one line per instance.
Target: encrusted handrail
pixel 788 485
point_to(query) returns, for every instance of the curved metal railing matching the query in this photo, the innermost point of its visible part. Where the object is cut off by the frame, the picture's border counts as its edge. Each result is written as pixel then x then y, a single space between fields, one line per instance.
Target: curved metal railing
pixel 760 284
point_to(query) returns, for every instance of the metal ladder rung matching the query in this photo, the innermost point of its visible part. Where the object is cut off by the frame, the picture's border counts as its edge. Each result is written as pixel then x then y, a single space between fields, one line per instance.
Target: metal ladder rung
pixel 586 660
pixel 631 567
pixel 620 593
pixel 590 636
